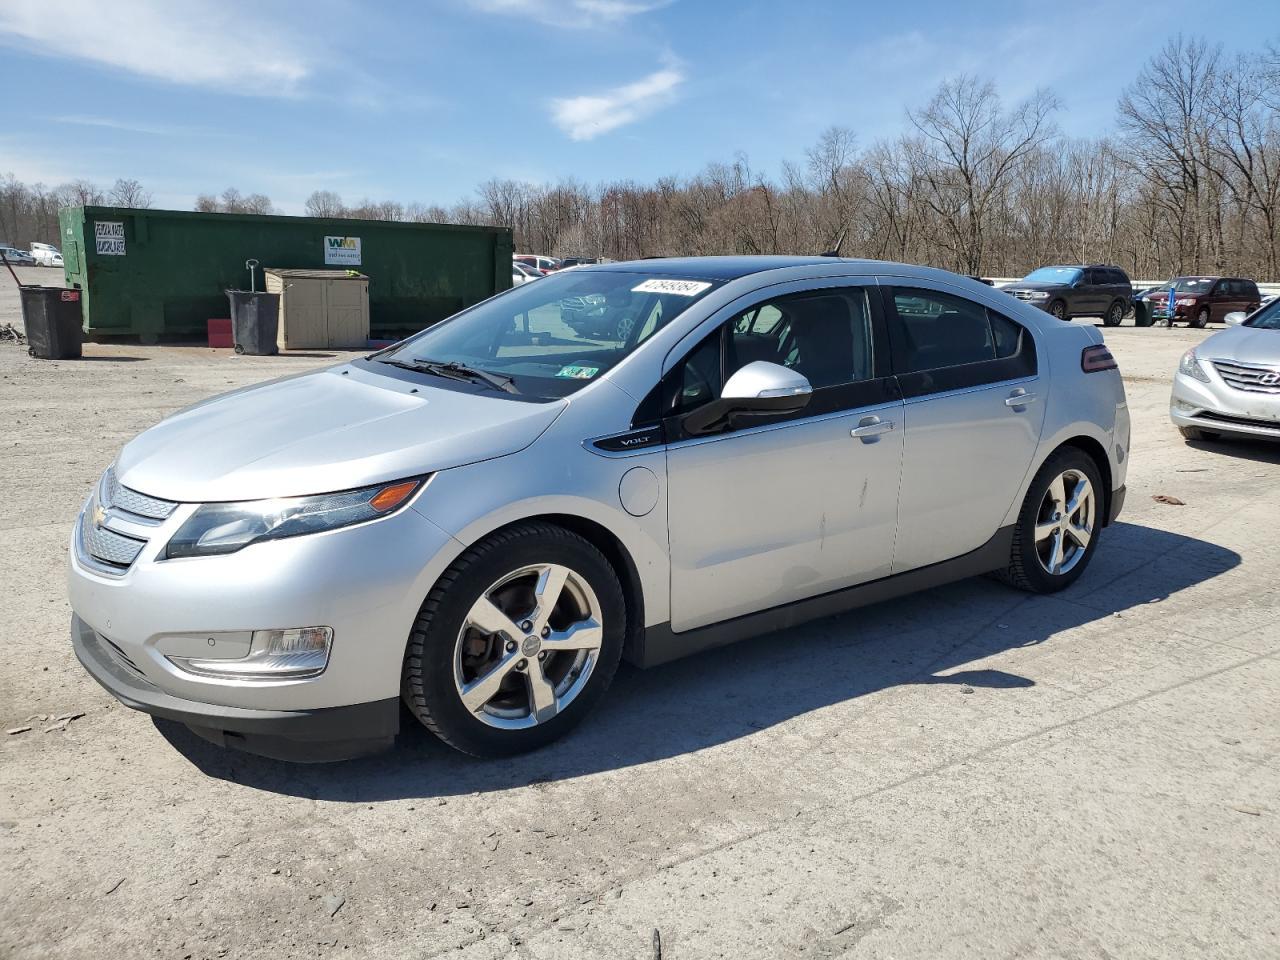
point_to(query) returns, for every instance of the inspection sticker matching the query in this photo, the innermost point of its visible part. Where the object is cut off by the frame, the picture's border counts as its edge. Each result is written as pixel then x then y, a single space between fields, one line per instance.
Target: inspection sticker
pixel 683 288
pixel 575 372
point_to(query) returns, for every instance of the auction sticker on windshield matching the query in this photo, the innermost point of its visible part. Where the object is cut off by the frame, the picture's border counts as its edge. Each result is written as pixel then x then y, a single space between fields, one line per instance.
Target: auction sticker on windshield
pixel 683 288
pixel 576 372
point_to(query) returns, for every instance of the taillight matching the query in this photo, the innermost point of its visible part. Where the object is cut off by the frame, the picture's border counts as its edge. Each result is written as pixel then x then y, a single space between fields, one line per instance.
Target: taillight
pixel 1095 358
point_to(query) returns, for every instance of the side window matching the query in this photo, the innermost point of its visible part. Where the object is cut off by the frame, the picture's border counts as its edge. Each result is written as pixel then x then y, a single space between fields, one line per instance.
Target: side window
pixel 941 330
pixel 823 334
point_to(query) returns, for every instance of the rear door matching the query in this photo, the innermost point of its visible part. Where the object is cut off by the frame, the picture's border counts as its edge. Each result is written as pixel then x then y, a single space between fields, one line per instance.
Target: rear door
pixel 974 400
pixel 769 511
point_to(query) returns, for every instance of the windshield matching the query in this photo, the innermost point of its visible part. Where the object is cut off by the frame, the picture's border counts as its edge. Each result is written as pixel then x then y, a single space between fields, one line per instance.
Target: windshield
pixel 1268 318
pixel 1190 284
pixel 1053 275
pixel 557 335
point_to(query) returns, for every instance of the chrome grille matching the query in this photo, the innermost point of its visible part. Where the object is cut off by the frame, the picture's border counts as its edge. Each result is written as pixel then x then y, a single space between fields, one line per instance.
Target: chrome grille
pixel 113 494
pixel 116 524
pixel 107 546
pixel 1022 294
pixel 1250 377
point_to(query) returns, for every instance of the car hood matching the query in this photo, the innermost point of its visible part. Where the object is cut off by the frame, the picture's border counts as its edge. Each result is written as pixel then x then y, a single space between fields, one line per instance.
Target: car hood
pixel 325 430
pixel 1243 345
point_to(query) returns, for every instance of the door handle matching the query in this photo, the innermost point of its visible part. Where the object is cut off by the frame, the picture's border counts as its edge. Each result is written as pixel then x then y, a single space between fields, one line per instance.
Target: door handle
pixel 871 427
pixel 1020 398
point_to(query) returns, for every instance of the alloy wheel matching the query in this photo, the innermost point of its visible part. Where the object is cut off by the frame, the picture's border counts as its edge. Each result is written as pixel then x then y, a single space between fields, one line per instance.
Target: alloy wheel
pixel 1059 310
pixel 528 646
pixel 1065 522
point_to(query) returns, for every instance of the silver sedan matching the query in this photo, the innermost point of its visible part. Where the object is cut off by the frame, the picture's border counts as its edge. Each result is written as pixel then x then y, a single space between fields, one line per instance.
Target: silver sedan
pixel 1230 384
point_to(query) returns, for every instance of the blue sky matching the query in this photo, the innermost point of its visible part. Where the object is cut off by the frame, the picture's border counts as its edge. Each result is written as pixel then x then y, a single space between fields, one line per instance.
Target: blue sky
pixel 421 101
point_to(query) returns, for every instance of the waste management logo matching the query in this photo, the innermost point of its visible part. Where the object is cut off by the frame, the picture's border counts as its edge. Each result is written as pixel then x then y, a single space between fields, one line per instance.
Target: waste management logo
pixel 342 250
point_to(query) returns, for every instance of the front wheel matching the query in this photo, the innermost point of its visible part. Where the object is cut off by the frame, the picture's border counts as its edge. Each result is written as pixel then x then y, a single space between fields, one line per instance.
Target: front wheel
pixel 1202 318
pixel 1058 309
pixel 516 642
pixel 1114 314
pixel 1058 525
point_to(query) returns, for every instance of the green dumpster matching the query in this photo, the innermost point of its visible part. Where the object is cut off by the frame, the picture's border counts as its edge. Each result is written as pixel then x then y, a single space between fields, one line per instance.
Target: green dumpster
pixel 164 273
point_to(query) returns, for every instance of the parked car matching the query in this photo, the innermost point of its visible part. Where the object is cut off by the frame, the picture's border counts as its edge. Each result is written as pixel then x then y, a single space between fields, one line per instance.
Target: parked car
pixel 543 265
pixel 483 520
pixel 522 274
pixel 18 258
pixel 1202 300
pixel 1098 290
pixel 567 262
pixel 46 255
pixel 1230 383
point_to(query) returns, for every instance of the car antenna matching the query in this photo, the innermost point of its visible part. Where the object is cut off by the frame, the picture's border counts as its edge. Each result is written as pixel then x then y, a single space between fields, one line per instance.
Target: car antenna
pixel 835 251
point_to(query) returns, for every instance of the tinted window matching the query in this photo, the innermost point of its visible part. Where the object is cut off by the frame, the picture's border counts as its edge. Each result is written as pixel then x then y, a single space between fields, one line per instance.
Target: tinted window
pixel 825 335
pixel 941 330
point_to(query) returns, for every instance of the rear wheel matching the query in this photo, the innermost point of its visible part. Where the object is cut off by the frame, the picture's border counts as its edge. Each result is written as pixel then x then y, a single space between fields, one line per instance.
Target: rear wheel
pixel 1196 434
pixel 1114 314
pixel 1059 309
pixel 517 641
pixel 1058 525
pixel 1202 318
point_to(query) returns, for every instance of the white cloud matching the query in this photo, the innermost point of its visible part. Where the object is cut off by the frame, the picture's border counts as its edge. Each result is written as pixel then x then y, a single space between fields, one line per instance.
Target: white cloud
pixel 572 13
pixel 130 126
pixel 586 117
pixel 197 42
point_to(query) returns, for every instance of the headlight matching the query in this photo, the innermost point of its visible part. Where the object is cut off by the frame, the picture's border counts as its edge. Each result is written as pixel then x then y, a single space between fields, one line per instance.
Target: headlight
pixel 227 527
pixel 1038 295
pixel 273 655
pixel 1186 301
pixel 1190 366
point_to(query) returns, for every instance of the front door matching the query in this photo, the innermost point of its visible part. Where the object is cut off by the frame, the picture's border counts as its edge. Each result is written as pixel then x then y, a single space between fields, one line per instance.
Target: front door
pixel 765 513
pixel 974 406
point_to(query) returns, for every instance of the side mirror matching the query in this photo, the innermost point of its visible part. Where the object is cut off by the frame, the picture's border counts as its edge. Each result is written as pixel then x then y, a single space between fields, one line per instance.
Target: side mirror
pixel 758 389
pixel 1235 318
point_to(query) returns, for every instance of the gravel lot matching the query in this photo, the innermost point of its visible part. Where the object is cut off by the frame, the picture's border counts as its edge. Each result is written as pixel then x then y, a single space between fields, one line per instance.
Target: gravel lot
pixel 970 772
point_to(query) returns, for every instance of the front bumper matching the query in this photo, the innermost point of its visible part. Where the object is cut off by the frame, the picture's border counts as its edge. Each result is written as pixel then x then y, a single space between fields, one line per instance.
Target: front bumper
pixel 365 582
pixel 335 733
pixel 1220 408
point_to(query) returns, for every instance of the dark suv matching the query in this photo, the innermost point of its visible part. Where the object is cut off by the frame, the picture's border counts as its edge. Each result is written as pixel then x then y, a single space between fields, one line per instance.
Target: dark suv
pixel 1199 300
pixel 1098 290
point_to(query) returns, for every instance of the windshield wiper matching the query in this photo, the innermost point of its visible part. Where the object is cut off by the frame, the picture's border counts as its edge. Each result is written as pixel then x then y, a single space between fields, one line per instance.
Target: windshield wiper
pixel 457 371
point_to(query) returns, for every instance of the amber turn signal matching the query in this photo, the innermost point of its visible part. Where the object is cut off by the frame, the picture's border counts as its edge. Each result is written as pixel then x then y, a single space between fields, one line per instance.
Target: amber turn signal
pixel 388 498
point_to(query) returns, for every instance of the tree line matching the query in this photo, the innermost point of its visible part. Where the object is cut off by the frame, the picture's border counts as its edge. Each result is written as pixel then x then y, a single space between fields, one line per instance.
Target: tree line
pixel 1189 182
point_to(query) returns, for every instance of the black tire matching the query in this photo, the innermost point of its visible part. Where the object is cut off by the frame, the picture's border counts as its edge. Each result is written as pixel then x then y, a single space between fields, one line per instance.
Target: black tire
pixel 1196 435
pixel 1114 314
pixel 1026 570
pixel 238 348
pixel 427 680
pixel 1059 309
pixel 1202 318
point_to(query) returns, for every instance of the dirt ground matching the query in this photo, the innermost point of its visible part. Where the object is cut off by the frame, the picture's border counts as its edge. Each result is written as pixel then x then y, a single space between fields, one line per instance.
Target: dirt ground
pixel 970 772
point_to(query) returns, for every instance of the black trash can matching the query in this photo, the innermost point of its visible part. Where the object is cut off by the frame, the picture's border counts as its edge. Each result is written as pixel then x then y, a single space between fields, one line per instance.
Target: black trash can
pixel 255 317
pixel 52 318
pixel 1142 313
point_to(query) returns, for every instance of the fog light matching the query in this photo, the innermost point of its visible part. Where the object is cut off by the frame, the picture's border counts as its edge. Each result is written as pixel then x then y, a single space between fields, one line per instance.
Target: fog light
pixel 1183 407
pixel 292 654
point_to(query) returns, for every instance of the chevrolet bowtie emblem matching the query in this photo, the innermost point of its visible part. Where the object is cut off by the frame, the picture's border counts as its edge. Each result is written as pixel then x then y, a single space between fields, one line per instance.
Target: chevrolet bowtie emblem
pixel 99 515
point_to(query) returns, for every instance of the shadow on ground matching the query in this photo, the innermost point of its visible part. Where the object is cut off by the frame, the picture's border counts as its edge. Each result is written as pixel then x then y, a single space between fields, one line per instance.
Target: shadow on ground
pixel 721 695
pixel 1259 451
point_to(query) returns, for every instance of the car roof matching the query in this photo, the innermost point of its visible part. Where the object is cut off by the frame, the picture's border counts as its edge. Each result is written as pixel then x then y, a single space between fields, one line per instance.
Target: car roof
pixel 716 268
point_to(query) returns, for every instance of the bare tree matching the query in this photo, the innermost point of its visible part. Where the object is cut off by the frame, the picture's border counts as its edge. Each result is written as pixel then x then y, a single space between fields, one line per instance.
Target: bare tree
pixel 128 193
pixel 966 149
pixel 324 203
